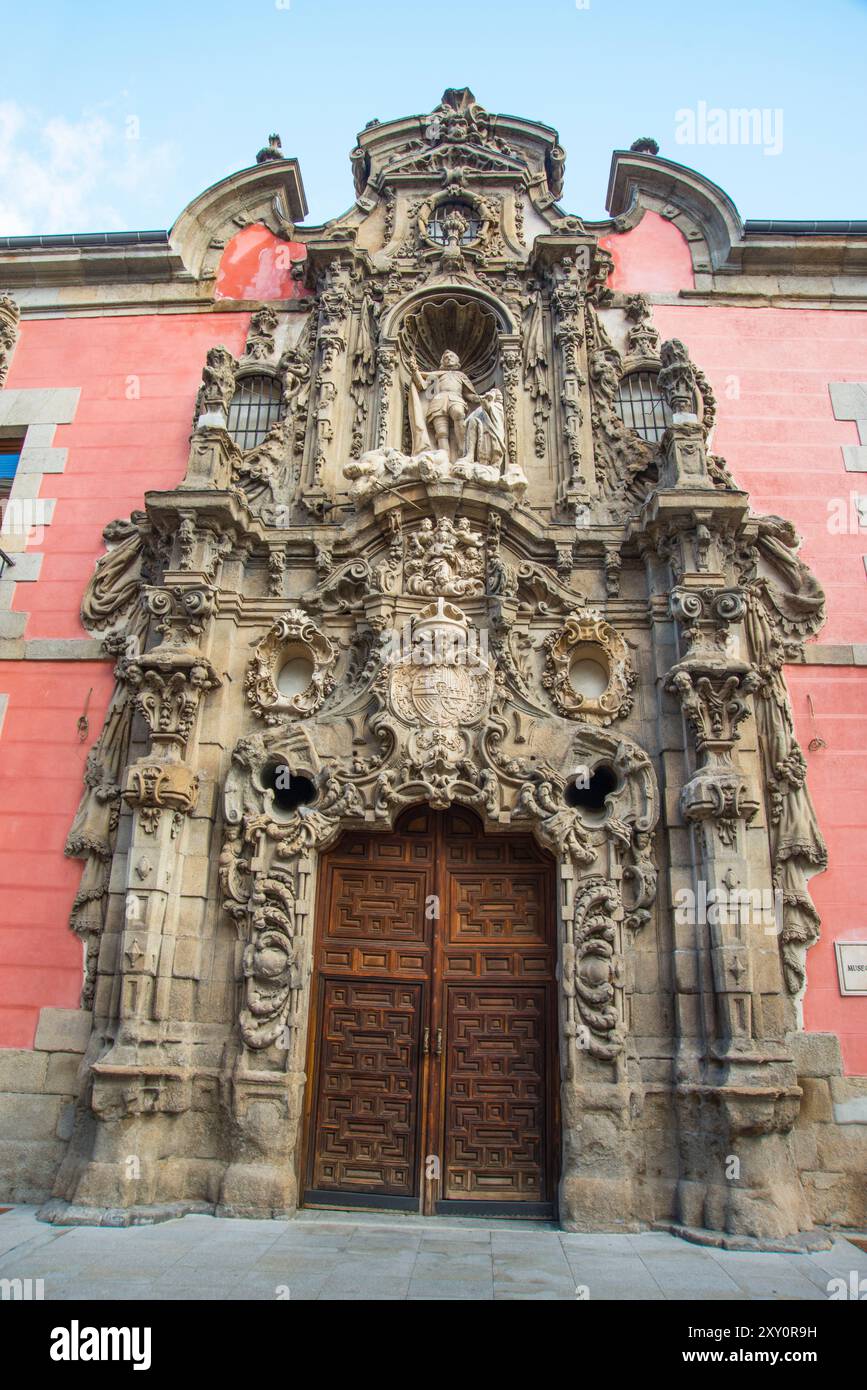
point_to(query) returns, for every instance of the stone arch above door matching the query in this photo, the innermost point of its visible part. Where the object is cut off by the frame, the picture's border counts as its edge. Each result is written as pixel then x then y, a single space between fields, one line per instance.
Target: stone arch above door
pixel 435 722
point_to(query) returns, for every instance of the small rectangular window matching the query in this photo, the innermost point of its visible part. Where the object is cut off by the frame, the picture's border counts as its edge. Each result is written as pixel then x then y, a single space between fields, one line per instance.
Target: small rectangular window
pixel 10 453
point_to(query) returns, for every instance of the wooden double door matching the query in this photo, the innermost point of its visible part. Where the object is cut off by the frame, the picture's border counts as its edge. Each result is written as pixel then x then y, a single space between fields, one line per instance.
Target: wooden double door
pixel 433 1042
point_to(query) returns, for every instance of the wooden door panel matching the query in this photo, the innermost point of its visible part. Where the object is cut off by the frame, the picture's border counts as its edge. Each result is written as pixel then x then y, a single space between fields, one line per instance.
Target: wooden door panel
pixel 479 978
pixel 498 965
pixel 382 904
pixel 403 962
pixel 366 1128
pixel 496 907
pixel 495 1094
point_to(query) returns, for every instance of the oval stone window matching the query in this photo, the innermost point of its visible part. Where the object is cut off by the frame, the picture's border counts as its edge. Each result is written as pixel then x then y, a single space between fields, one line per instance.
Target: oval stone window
pixel 588 675
pixel 294 676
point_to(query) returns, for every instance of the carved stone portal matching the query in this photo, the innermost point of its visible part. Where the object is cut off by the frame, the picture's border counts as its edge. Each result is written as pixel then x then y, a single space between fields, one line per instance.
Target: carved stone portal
pixel 517 606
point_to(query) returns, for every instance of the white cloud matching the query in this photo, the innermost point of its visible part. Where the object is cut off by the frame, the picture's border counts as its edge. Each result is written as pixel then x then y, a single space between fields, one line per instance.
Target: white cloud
pixel 60 175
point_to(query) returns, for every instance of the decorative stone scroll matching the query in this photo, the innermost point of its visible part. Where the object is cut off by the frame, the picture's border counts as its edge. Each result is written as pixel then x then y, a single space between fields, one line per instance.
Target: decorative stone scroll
pixel 784 606
pixel 260 335
pixel 271 959
pixel 592 971
pixel 116 583
pixel 153 787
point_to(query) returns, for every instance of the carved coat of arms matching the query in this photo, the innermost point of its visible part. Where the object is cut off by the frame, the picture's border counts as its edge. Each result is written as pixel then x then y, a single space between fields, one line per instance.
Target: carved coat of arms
pixel 442 680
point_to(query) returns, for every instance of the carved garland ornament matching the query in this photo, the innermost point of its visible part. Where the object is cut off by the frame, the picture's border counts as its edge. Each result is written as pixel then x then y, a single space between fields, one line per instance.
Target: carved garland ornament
pixel 594 640
pixel 293 638
pixel 593 970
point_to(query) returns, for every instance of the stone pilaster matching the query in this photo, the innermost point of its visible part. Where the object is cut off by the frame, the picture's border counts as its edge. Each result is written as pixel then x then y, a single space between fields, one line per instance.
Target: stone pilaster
pixel 735 1084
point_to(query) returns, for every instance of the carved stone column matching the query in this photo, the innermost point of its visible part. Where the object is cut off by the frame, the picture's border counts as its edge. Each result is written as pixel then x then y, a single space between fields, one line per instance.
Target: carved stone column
pixel 271 895
pixel 567 300
pixel 511 357
pixel 335 300
pixel 386 362
pixel 735 1088
pixel 607 880
pixel 747 1092
pixel 168 683
pixel 718 800
pixel 144 1072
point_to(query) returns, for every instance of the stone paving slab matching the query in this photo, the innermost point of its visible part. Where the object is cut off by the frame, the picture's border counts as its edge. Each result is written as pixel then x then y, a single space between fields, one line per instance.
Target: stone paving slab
pixel 372 1256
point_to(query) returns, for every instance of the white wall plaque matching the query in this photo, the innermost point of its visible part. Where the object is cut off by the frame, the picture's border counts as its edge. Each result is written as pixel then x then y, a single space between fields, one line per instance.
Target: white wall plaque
pixel 852 966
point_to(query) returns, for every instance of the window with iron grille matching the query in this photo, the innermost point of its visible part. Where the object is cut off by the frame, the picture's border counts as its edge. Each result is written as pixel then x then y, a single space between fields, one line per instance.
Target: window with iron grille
pixel 440 221
pixel 255 406
pixel 641 406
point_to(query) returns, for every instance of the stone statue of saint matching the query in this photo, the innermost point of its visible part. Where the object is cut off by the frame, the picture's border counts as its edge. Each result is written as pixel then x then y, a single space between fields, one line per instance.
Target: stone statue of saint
pixel 438 406
pixel 485 432
pixel 456 434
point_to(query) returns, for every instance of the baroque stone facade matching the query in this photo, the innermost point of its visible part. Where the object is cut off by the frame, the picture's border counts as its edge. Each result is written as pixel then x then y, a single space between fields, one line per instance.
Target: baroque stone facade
pixel 450 574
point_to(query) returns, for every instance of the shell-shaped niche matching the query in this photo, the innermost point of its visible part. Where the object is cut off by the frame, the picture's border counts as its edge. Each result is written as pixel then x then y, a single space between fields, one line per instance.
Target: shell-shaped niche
pixel 458 324
pixel 291 672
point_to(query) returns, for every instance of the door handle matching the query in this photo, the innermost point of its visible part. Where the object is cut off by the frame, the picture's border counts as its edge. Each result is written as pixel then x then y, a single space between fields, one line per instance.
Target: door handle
pixel 439 1043
pixel 425 1044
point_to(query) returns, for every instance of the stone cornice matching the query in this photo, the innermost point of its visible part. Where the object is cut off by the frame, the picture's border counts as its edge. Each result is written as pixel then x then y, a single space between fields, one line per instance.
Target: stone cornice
pixel 759 262
pixel 722 245
pixel 270 193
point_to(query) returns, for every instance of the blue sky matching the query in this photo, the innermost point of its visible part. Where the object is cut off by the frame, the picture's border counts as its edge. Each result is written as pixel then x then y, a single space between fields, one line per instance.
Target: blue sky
pixel 114 116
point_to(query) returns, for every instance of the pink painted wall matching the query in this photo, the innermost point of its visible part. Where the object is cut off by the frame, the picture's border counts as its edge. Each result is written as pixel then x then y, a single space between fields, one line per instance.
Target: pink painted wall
pixel 256 264
pixel 652 257
pixel 837 778
pixel 118 448
pixel 41 772
pixel 770 370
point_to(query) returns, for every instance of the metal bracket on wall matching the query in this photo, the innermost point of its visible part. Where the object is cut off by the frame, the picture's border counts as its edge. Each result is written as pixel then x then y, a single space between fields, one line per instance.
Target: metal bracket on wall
pixel 816 742
pixel 83 724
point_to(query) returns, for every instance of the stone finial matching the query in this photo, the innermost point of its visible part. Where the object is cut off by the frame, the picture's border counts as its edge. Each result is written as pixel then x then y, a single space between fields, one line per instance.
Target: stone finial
pixel 645 145
pixel 458 98
pixel 273 150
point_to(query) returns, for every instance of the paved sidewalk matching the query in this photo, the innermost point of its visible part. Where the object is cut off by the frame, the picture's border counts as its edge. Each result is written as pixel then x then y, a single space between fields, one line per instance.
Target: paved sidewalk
pixel 329 1255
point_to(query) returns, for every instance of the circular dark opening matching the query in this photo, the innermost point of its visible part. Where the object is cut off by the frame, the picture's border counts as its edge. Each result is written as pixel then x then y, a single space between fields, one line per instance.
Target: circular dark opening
pixel 290 790
pixel 591 796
